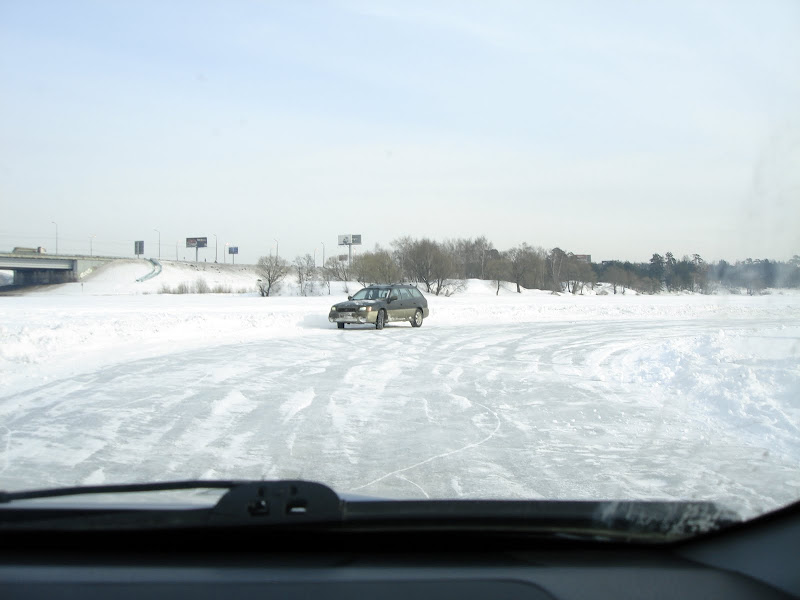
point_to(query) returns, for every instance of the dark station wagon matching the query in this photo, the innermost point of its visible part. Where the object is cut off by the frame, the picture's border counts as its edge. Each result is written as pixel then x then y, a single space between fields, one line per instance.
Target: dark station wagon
pixel 380 304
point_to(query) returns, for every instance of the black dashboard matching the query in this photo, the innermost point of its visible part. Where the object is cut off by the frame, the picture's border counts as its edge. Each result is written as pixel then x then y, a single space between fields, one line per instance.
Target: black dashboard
pixel 755 560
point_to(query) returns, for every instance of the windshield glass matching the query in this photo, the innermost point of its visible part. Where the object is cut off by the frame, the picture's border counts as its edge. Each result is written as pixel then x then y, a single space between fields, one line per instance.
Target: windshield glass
pixel 371 294
pixel 595 208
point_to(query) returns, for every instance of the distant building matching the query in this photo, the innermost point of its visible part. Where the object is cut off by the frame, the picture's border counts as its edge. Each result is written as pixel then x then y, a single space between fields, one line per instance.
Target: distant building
pixel 586 258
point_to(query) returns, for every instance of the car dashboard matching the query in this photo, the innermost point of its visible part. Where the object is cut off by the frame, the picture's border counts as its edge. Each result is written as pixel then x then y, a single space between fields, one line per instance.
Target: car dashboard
pixel 756 560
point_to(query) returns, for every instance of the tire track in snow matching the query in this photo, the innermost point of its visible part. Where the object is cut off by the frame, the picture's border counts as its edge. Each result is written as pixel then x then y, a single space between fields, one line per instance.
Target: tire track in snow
pixel 442 455
pixel 416 485
pixel 7 458
pixel 296 403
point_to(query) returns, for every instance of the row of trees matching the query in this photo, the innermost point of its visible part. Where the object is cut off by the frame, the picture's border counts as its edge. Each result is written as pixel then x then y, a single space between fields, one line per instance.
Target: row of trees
pixel 692 273
pixel 442 268
pixel 661 273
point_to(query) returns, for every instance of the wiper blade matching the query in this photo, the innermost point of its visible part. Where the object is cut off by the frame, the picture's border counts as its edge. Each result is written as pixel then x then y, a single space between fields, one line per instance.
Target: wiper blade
pixel 279 502
pixel 123 488
pixel 294 503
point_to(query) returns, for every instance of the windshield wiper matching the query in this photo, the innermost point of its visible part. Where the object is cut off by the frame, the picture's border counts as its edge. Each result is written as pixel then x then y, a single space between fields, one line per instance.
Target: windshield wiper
pixel 293 503
pixel 245 503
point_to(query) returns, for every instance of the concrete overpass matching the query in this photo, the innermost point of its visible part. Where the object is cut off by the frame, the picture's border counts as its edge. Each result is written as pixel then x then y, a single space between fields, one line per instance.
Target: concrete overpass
pixel 31 268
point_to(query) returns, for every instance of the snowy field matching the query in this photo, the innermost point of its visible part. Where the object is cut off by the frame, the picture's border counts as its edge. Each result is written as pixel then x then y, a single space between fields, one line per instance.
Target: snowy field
pixel 511 396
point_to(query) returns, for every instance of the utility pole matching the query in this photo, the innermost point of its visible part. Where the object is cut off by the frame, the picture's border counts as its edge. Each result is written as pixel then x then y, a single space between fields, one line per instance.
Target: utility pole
pixel 91 237
pixel 323 253
pixel 159 242
pixel 276 248
pixel 56 224
pixel 215 246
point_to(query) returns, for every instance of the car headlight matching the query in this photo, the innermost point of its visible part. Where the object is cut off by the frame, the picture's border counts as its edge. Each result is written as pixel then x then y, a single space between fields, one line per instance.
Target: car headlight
pixel 362 309
pixel 333 308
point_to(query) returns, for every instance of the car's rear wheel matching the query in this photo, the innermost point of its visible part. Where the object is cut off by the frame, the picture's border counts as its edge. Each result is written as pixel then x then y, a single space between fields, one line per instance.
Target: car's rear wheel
pixel 340 325
pixel 380 320
pixel 417 320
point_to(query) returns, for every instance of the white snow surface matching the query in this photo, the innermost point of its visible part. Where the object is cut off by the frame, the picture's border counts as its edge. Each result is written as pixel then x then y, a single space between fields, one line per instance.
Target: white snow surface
pixel 529 395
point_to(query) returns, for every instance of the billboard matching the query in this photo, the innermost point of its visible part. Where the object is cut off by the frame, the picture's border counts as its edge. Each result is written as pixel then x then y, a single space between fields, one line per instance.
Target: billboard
pixel 233 249
pixel 353 239
pixel 138 247
pixel 196 242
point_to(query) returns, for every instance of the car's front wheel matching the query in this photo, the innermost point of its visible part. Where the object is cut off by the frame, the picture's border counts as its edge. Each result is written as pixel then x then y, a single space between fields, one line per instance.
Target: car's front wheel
pixel 417 320
pixel 380 320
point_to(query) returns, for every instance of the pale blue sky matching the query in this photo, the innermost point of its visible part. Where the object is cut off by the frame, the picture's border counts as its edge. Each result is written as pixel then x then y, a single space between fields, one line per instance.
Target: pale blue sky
pixel 611 128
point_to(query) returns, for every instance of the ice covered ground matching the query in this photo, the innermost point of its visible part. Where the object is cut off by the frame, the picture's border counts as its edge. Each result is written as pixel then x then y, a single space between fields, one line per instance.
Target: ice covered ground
pixel 510 396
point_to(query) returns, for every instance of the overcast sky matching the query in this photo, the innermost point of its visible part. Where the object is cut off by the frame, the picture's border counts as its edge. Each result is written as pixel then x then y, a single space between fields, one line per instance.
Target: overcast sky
pixel 612 128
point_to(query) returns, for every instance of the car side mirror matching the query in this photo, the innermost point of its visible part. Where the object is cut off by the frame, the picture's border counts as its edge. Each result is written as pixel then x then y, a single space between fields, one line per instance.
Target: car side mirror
pixel 392 298
pixel 349 297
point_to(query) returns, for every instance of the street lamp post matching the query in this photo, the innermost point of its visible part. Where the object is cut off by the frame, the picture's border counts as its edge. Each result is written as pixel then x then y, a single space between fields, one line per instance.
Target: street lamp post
pixel 56 224
pixel 91 237
pixel 159 242
pixel 323 253
pixel 215 246
pixel 276 248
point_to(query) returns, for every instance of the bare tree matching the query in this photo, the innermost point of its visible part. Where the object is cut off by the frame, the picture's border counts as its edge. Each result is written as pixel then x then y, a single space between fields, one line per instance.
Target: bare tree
pixel 272 270
pixel 617 277
pixel 498 269
pixel 470 256
pixel 385 266
pixel 584 275
pixel 556 261
pixel 417 258
pixel 443 269
pixel 361 270
pixel 402 257
pixel 521 260
pixel 336 270
pixel 536 276
pixel 378 266
pixel 305 270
